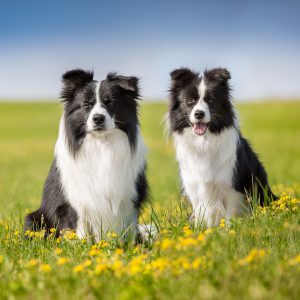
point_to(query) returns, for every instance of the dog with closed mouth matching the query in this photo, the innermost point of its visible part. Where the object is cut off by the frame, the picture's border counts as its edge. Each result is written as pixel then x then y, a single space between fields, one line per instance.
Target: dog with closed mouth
pixel 218 167
pixel 97 181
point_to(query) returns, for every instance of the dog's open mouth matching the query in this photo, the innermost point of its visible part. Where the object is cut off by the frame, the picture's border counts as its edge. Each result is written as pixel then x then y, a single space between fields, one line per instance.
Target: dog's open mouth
pixel 200 128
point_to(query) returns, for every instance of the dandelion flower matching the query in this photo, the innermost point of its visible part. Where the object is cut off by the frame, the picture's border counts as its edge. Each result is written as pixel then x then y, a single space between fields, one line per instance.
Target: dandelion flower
pixel 78 268
pixel 295 261
pixel 45 268
pixel 58 251
pixel 62 261
pixel 32 263
pixel 119 251
pixel 187 230
pixel 166 243
pixel 100 268
pixel 254 255
pixel 94 252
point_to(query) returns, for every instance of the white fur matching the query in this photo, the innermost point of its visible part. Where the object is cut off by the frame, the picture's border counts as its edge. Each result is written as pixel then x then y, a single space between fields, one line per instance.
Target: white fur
pixel 206 166
pixel 99 183
pixel 201 105
pixel 97 109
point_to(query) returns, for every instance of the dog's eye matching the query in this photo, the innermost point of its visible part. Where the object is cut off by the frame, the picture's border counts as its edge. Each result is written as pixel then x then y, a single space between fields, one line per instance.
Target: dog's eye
pixel 88 104
pixel 107 101
pixel 190 101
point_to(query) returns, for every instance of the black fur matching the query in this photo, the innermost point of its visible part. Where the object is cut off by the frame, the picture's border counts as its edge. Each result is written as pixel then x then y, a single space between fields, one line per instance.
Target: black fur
pixel 55 212
pixel 142 188
pixel 118 95
pixel 249 173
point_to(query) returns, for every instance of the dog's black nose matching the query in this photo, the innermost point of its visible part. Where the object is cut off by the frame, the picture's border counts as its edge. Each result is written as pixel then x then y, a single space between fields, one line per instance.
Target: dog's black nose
pixel 199 114
pixel 98 119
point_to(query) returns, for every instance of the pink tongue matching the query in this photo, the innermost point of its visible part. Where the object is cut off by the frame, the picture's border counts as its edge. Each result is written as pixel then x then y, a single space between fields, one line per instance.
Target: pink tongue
pixel 200 128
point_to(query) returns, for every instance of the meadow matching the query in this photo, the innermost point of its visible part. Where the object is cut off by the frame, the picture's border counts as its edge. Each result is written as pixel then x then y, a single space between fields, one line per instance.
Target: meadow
pixel 257 257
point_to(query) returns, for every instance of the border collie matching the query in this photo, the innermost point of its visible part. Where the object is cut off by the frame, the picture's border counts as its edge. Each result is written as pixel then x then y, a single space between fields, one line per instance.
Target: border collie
pixel 218 168
pixel 97 180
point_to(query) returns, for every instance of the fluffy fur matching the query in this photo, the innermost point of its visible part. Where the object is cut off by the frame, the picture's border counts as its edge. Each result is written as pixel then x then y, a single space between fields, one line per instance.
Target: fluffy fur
pixel 97 181
pixel 218 167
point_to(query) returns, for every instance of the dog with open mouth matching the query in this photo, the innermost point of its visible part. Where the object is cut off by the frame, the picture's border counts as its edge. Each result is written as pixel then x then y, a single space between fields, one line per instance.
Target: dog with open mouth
pixel 97 181
pixel 218 167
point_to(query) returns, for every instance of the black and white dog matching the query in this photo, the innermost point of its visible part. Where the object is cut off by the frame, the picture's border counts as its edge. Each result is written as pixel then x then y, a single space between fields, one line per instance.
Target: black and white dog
pixel 218 168
pixel 97 180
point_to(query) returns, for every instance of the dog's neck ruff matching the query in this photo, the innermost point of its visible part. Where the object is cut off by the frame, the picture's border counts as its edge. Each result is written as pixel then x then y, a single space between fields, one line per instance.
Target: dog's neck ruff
pixel 207 165
pixel 99 182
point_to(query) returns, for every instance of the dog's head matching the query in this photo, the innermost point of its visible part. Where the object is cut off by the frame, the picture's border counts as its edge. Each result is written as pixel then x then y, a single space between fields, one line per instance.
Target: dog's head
pixel 202 103
pixel 96 108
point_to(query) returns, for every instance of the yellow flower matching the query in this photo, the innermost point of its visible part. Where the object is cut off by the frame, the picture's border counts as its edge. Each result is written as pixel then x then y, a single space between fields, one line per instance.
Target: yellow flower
pixel 197 262
pixel 94 252
pixel 78 268
pixel 45 268
pixel 160 264
pixel 164 232
pixel 87 263
pixel 294 201
pixel 119 251
pixel 32 263
pixel 222 223
pixel 294 261
pixel 185 242
pixel 81 267
pixel 16 232
pixel 38 234
pixel 100 268
pixel 166 243
pixel 185 264
pixel 53 230
pixel 136 250
pixel 208 231
pixel 29 233
pixel 62 261
pixel 58 251
pixel 254 255
pixel 187 230
pixel 102 244
pixel 136 265
pixel 117 265
pixel 1 259
pixel 282 206
pixel 112 235
pixel 201 237
pixel 70 235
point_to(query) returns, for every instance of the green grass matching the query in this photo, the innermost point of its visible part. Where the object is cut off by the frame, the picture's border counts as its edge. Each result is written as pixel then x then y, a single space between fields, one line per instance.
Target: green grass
pixel 169 267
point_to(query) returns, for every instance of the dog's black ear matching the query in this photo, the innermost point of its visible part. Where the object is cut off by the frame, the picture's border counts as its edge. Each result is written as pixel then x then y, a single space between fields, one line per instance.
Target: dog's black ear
pixel 128 83
pixel 74 80
pixel 219 75
pixel 183 76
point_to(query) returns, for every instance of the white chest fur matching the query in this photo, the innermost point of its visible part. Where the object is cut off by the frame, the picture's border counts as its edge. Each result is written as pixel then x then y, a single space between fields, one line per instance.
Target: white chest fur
pixel 99 182
pixel 206 167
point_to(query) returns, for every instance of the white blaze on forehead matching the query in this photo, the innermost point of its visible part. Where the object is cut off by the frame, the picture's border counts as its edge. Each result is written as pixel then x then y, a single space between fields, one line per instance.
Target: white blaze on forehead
pixel 98 109
pixel 97 92
pixel 201 104
pixel 202 89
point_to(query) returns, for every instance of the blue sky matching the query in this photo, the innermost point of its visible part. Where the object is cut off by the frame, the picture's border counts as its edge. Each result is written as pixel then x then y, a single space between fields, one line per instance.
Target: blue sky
pixel 258 41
